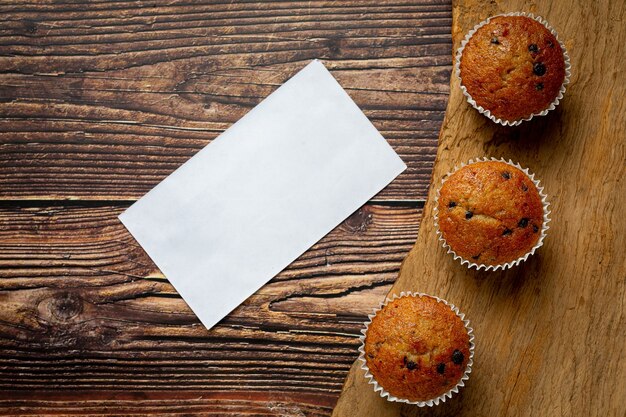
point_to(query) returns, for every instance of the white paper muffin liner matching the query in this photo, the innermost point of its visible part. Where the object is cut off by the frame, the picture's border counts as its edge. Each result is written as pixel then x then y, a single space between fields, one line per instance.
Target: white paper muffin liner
pixel 544 226
pixel 457 69
pixel 434 401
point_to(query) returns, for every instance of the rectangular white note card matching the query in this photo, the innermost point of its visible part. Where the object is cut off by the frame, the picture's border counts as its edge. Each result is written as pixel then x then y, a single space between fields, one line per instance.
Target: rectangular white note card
pixel 262 193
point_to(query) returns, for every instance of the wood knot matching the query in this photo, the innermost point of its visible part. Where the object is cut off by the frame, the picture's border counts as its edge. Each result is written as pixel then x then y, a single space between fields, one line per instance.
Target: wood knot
pixel 334 46
pixel 30 27
pixel 65 306
pixel 359 221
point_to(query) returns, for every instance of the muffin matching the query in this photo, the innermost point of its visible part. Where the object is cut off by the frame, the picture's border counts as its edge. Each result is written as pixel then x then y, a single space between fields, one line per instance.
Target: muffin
pixel 513 67
pixel 491 212
pixel 417 349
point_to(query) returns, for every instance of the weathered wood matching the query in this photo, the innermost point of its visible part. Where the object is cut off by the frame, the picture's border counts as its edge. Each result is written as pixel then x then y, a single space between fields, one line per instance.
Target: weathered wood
pixel 550 334
pixel 101 102
pixel 83 307
pixel 167 403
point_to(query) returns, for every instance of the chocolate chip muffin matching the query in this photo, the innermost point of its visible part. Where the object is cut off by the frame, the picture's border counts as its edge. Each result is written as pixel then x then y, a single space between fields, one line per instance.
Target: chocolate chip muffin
pixel 490 213
pixel 513 66
pixel 417 348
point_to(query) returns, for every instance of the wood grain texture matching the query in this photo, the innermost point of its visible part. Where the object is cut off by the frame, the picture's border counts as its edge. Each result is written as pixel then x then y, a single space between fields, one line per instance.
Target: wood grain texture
pixel 79 293
pixel 84 308
pixel 186 403
pixel 103 101
pixel 99 101
pixel 550 334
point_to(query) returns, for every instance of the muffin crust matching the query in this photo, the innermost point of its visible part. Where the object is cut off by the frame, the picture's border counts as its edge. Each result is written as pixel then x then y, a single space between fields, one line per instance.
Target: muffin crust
pixel 417 348
pixel 490 213
pixel 513 66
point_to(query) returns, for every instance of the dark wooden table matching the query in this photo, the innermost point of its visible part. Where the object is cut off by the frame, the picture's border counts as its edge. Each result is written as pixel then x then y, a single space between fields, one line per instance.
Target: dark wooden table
pixel 99 101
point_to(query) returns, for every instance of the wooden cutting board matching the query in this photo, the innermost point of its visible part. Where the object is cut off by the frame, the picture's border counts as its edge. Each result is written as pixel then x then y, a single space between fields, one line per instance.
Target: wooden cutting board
pixel 550 334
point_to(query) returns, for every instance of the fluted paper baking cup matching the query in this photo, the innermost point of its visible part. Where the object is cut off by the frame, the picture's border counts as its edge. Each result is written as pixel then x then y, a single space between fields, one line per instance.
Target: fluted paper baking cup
pixel 434 401
pixel 544 226
pixel 470 100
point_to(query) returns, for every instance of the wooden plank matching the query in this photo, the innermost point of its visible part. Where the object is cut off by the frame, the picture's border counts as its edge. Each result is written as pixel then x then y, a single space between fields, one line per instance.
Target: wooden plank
pixel 102 102
pixel 84 308
pixel 197 403
pixel 549 334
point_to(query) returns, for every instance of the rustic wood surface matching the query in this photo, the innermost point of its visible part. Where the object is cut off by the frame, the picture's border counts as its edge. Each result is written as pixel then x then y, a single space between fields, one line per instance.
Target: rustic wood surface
pixel 116 95
pixel 550 334
pixel 99 101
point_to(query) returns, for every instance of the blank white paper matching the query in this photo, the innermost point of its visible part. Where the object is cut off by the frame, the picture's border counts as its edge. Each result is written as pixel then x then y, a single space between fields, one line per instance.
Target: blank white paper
pixel 262 193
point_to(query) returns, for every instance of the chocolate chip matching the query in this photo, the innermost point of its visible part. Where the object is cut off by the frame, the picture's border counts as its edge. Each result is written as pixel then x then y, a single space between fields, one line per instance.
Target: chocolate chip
pixel 441 368
pixel 539 69
pixel 523 222
pixel 452 204
pixel 507 232
pixel 535 228
pixel 539 86
pixel 533 48
pixel 495 41
pixel 469 215
pixel 475 257
pixel 524 187
pixel 409 364
pixel 457 357
pixel 506 175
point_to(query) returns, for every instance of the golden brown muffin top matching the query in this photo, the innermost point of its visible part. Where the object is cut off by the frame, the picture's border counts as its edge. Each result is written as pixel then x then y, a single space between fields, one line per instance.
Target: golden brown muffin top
pixel 513 66
pixel 490 213
pixel 417 348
